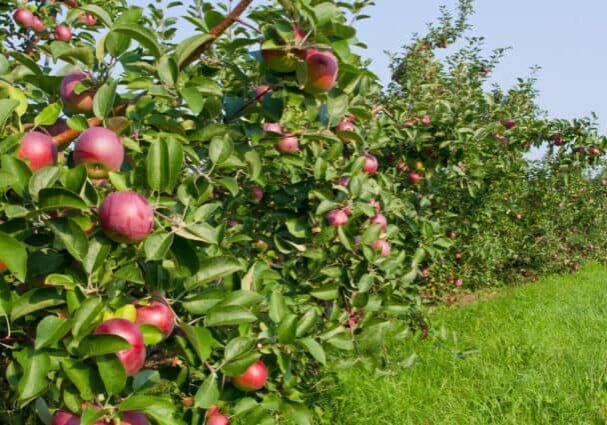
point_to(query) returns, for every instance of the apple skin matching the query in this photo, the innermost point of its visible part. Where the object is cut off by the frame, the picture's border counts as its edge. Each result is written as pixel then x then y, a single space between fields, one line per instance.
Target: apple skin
pixel 100 150
pixel 39 149
pixel 261 90
pixel 2 266
pixel 63 33
pixel 257 193
pixel 87 18
pixel 156 313
pixel 383 246
pixel 24 17
pixel 130 417
pixel 218 420
pixel 38 25
pixel 509 123
pixel 426 120
pixel 337 218
pixel 83 102
pixel 371 165
pixel 65 417
pixel 288 144
pixel 132 358
pixel 253 379
pixel 345 125
pixel 413 178
pixel 322 71
pixel 380 219
pixel 126 217
pixel 59 127
pixel 272 127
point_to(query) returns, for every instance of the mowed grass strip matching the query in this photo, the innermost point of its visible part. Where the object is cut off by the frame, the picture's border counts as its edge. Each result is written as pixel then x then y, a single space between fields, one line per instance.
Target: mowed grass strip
pixel 533 354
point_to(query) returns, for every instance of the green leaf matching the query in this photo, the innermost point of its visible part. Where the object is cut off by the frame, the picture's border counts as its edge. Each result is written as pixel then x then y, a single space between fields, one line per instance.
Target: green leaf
pixel 99 248
pixel 112 373
pixel 164 161
pixel 193 98
pixel 53 198
pixel 371 234
pixel 48 115
pixel 202 232
pixel 229 316
pixel 74 55
pixel 237 347
pixel 144 36
pixel 50 330
pixel 77 122
pixel 35 300
pixel 151 334
pixel 287 328
pixel 315 349
pixel 162 410
pixel 86 315
pixel 117 43
pixel 45 177
pixel 34 380
pixel 200 338
pixel 82 376
pixel 220 149
pixel 167 69
pixel 13 255
pixel 207 394
pixel 326 293
pixel 145 379
pixel 157 245
pixel 72 236
pixel 214 268
pixel 19 169
pixel 98 345
pixel 189 46
pixel 278 307
pixel 130 273
pixel 103 103
pixel 7 106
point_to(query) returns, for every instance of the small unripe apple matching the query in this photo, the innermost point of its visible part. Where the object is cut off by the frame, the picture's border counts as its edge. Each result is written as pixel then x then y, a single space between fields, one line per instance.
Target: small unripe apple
pixel 380 219
pixel 156 313
pixel 130 417
pixel 288 144
pixel 82 102
pixel 413 178
pixel 257 192
pixel 261 90
pixel 383 247
pixel 87 18
pixel 65 417
pixel 253 379
pixel 126 217
pixel 371 164
pixel 38 25
pixel 38 149
pixel 337 218
pixel 100 150
pixel 24 17
pixel 322 71
pixel 63 33
pixel 132 358
pixel 187 401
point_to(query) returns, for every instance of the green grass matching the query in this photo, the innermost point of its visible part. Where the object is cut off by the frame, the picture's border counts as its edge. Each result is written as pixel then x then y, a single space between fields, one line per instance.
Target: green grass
pixel 539 356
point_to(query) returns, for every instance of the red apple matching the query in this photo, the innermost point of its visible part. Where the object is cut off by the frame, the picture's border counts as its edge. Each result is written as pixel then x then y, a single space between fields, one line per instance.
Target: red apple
pixel 261 90
pixel 132 358
pixel 451 234
pixel 345 125
pixel 87 18
pixel 63 33
pixel 593 150
pixel 71 3
pixel 288 144
pixel 100 150
pixel 558 139
pixel 383 247
pixel 509 123
pixel 426 120
pixel 272 127
pixel 38 149
pixel 126 217
pixel 380 219
pixel 2 266
pixel 218 420
pixel 371 165
pixel 257 192
pixel 130 417
pixel 343 181
pixel 82 102
pixel 253 379
pixel 322 71
pixel 38 25
pixel 156 313
pixel 23 17
pixel 337 218
pixel 413 178
pixel 65 417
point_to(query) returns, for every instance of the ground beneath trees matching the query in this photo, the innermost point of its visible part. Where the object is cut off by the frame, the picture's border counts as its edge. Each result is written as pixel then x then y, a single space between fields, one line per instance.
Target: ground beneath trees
pixel 535 354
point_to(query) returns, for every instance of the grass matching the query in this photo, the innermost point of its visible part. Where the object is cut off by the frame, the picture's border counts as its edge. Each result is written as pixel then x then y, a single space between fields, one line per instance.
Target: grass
pixel 533 354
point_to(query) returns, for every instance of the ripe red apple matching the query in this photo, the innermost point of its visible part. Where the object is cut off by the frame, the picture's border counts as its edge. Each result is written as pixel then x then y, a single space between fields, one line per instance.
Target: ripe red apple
pixel 218 420
pixel 371 164
pixel 71 3
pixel 253 379
pixel 39 149
pixel 413 178
pixel 132 358
pixel 272 127
pixel 375 204
pixel 24 17
pixel 343 181
pixel 345 125
pixel 82 102
pixel 558 140
pixel 187 401
pixel 509 123
pixel 451 234
pixel 87 18
pixel 459 282
pixel 593 150
pixel 337 217
pixel 100 150
pixel 38 25
pixel 603 182
pixel 65 417
pixel 322 71
pixel 380 219
pixel 383 247
pixel 156 313
pixel 63 33
pixel 126 217
pixel 130 417
pixel 257 192
pixel 426 120
pixel 288 144
pixel 261 90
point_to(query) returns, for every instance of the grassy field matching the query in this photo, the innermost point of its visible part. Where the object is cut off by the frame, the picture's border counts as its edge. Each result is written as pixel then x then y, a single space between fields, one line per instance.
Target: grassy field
pixel 530 355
